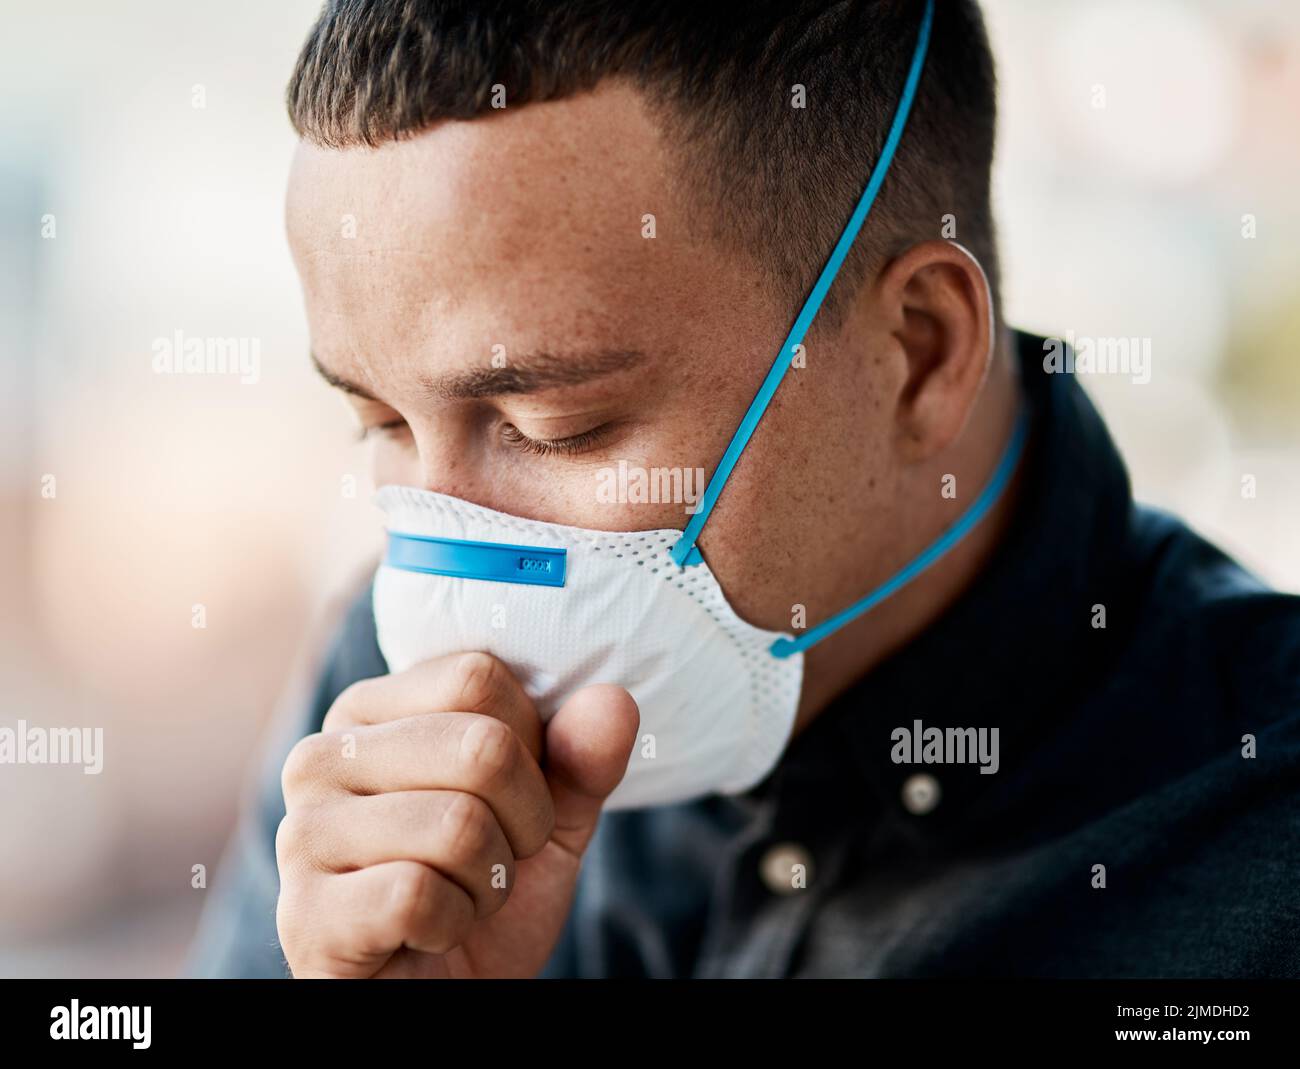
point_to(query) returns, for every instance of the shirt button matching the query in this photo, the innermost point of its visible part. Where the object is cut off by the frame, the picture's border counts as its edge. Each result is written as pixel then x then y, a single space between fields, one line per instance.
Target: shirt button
pixel 920 793
pixel 786 868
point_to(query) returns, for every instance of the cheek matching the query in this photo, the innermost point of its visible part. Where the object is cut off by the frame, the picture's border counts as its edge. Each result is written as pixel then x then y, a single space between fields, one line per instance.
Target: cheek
pixel 809 507
pixel 593 498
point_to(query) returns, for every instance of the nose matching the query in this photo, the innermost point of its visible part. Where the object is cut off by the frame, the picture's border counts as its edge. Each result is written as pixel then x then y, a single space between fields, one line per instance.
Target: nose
pixel 455 457
pixel 454 460
pixel 427 456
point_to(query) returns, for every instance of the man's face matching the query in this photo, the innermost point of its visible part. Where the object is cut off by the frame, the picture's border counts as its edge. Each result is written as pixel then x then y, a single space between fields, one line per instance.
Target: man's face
pixel 488 290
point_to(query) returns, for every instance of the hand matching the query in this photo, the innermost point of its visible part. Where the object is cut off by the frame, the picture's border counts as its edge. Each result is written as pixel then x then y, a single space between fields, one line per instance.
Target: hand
pixel 435 827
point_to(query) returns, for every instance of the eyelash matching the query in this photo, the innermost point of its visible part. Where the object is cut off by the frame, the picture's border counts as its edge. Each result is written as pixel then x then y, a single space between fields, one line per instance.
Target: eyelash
pixel 549 447
pixel 380 428
pixel 513 436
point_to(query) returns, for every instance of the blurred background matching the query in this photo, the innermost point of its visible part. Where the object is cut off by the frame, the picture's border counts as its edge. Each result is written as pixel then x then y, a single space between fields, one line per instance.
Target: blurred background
pixel 1146 187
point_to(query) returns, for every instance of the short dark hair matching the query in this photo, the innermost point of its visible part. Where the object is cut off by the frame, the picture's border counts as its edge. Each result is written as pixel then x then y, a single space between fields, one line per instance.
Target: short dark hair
pixel 780 181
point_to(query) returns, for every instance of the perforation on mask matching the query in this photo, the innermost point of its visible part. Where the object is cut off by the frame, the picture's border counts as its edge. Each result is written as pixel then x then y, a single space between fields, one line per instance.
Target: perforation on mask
pixel 408 497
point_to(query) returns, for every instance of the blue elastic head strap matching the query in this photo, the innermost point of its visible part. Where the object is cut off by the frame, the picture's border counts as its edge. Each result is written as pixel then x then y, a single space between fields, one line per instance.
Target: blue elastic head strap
pixel 684 551
pixel 784 647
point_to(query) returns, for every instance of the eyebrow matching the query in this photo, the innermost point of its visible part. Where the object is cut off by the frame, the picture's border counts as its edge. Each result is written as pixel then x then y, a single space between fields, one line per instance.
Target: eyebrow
pixel 338 382
pixel 530 373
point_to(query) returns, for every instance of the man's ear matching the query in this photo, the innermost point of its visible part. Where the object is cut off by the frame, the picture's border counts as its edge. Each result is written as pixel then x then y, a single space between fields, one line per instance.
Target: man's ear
pixel 937 301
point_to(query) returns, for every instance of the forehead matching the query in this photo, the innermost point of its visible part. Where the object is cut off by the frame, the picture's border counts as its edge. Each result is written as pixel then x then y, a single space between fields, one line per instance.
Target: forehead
pixel 526 225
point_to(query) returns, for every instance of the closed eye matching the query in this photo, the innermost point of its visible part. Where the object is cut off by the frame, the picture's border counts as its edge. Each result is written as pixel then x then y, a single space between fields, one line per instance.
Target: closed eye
pixel 545 447
pixel 390 427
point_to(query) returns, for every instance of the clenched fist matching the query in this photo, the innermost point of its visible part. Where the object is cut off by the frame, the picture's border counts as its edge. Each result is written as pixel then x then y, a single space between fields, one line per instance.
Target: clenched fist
pixel 435 826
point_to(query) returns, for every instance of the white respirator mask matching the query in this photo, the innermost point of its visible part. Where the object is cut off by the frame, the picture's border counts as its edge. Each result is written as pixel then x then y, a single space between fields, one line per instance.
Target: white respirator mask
pixel 565 607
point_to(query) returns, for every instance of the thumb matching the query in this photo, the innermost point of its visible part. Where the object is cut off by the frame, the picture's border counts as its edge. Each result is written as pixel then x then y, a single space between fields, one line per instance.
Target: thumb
pixel 588 743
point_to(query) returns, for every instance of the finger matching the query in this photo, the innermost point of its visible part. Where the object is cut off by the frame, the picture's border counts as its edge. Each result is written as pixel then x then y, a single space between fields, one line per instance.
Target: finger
pixel 433 751
pixel 452 832
pixel 348 925
pixel 456 683
pixel 588 743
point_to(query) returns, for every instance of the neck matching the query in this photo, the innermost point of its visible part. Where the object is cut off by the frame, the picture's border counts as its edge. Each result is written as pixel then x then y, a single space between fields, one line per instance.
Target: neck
pixel 837 663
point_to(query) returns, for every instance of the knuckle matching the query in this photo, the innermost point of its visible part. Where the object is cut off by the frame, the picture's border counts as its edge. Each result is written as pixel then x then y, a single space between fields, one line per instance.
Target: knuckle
pixel 534 838
pixel 290 912
pixel 500 876
pixel 410 898
pixel 411 888
pixel 304 765
pixel 287 840
pixel 478 680
pixel 285 929
pixel 350 706
pixel 488 750
pixel 295 839
pixel 466 826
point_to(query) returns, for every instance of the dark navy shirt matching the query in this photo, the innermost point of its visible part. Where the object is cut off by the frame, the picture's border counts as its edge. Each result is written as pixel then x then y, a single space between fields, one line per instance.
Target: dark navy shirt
pixel 1144 820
